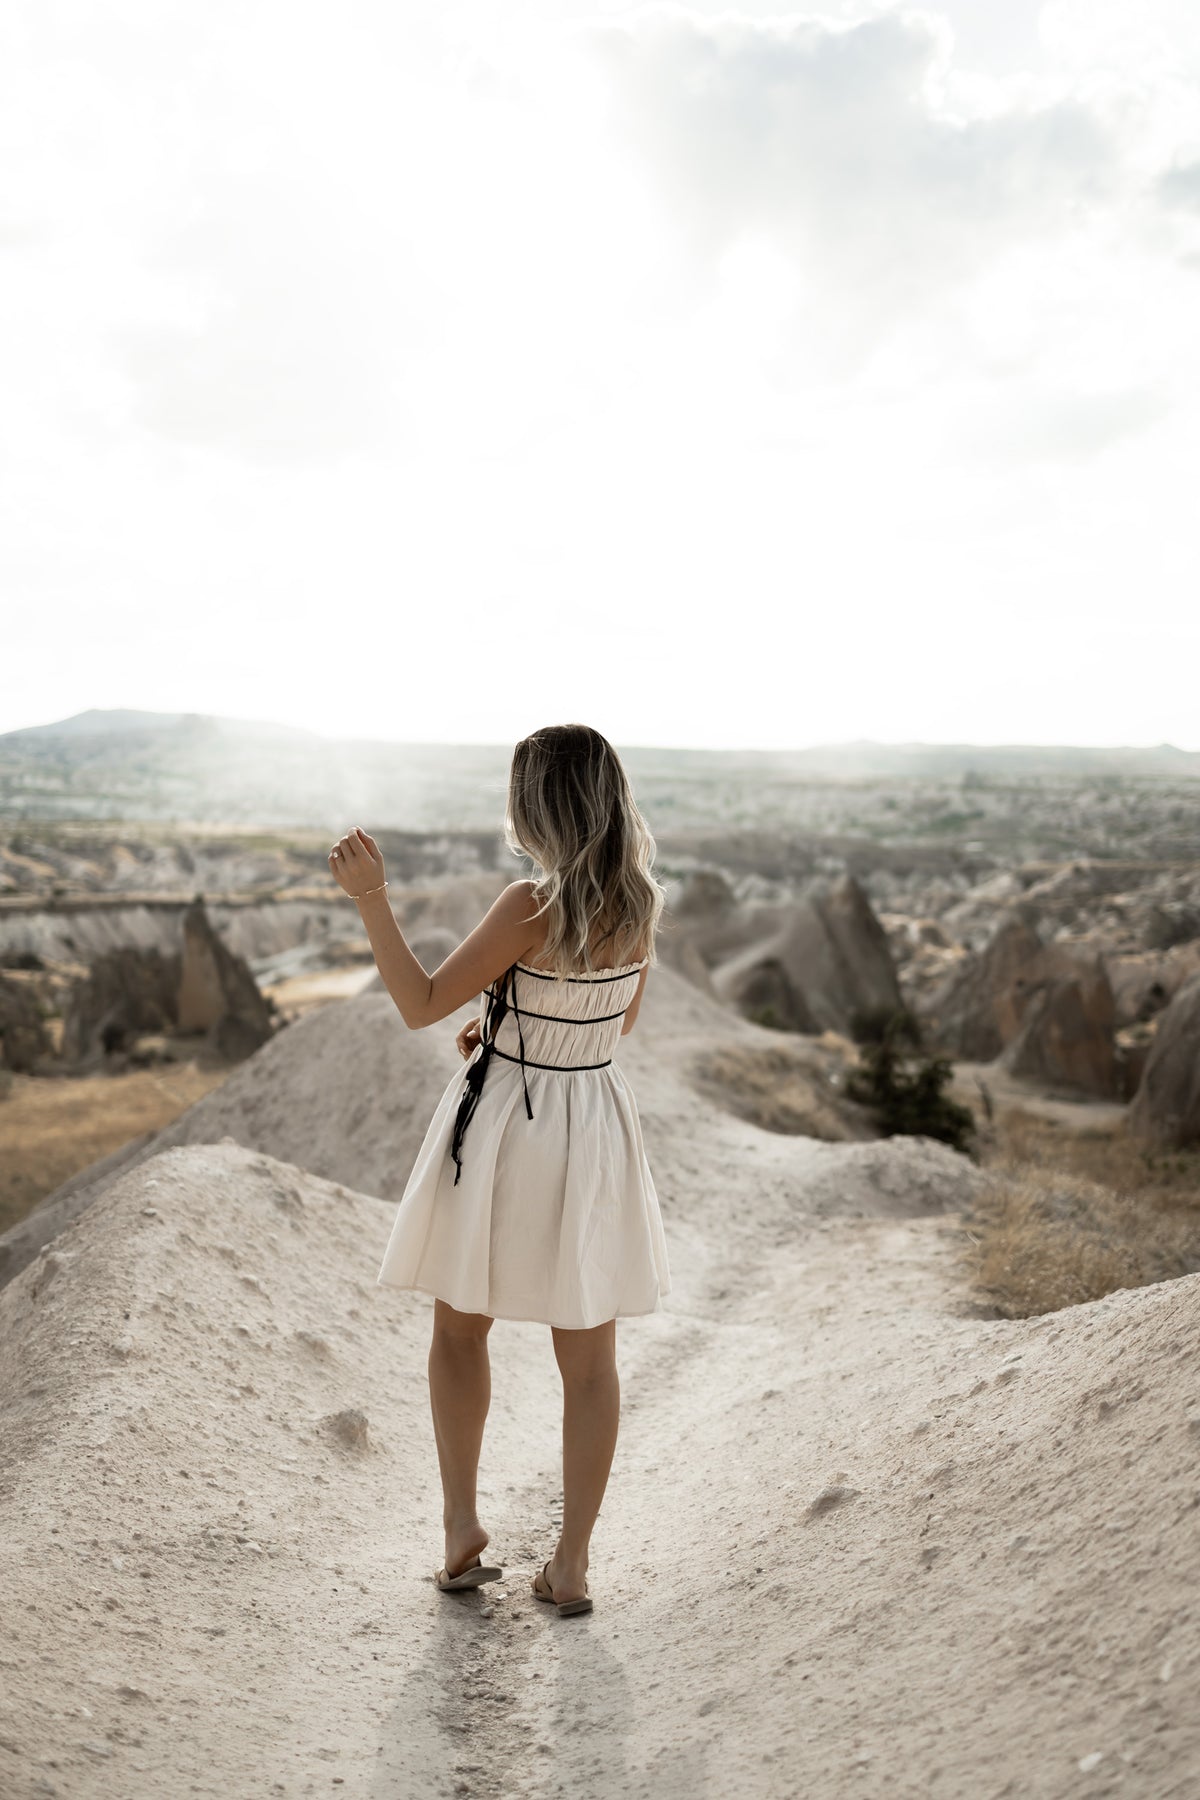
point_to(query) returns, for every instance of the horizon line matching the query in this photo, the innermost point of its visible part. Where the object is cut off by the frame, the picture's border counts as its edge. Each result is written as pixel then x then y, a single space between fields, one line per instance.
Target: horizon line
pixel 459 743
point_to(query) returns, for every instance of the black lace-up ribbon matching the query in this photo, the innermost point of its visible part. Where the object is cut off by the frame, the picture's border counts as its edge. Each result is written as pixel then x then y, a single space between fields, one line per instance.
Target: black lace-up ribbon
pixel 497 1007
pixel 499 1001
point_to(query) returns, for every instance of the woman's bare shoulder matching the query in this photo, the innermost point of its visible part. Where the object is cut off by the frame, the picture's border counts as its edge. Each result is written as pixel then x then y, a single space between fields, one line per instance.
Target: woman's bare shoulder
pixel 526 901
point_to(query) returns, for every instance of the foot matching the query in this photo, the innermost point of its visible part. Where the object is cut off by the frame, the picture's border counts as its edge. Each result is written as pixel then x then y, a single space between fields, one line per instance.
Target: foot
pixel 465 1544
pixel 561 1580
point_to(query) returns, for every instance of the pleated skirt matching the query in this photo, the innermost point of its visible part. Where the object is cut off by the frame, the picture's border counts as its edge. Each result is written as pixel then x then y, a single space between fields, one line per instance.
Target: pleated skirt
pixel 554 1218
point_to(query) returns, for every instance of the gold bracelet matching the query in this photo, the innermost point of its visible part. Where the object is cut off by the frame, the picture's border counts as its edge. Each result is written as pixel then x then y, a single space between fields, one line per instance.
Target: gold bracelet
pixel 363 896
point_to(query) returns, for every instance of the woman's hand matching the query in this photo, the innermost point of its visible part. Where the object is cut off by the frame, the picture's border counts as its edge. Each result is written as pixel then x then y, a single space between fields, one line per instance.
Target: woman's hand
pixel 468 1038
pixel 356 864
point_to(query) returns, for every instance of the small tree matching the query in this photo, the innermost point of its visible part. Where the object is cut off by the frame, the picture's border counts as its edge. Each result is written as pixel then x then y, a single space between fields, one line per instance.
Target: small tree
pixel 905 1089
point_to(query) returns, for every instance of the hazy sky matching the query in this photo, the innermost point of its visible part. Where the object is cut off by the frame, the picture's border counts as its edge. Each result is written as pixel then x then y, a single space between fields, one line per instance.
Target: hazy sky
pixel 437 370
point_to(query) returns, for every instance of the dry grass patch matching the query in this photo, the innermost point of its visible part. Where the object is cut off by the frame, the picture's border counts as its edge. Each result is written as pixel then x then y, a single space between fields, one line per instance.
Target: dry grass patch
pixel 1044 1237
pixel 1107 1155
pixel 780 1088
pixel 53 1126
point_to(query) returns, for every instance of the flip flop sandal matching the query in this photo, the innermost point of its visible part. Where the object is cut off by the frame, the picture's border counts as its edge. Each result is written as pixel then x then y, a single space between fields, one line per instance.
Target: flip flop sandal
pixel 566 1609
pixel 471 1577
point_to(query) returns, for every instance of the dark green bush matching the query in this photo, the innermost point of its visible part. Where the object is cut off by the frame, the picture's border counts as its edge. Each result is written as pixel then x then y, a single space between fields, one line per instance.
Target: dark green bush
pixel 905 1089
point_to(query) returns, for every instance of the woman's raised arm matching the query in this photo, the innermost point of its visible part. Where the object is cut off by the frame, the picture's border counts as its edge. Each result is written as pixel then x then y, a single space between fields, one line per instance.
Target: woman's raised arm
pixel 506 934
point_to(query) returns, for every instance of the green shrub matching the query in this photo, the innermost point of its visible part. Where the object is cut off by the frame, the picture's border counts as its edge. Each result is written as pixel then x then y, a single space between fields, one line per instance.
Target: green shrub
pixel 904 1089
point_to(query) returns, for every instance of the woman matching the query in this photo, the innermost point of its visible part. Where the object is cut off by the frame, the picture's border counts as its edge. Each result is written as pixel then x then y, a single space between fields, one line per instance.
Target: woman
pixel 531 1196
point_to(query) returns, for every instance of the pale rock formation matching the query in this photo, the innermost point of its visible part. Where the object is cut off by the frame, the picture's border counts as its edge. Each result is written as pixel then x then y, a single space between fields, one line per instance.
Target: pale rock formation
pixel 703 894
pixel 1066 1036
pixel 1171 924
pixel 675 951
pixel 23 1035
pixel 1144 983
pixel 217 992
pixel 1049 1008
pixel 455 905
pixel 826 969
pixel 127 991
pixel 1166 1107
pixel 979 1009
pixel 1139 991
pixel 133 990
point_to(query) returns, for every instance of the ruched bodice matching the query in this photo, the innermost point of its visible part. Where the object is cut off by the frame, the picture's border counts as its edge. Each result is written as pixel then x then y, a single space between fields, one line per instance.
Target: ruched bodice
pixel 568 1036
pixel 565 1021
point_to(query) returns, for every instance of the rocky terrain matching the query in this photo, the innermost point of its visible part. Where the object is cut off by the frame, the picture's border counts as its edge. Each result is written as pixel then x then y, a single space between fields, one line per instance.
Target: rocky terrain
pixel 860 1539
pixel 1057 977
pixel 1036 906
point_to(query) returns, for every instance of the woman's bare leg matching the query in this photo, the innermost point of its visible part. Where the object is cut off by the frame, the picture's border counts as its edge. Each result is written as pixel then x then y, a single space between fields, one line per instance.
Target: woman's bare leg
pixel 587 1361
pixel 460 1391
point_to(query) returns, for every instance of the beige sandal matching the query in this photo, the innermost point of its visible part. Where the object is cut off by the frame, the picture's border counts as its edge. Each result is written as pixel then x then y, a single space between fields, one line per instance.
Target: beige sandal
pixel 472 1577
pixel 566 1608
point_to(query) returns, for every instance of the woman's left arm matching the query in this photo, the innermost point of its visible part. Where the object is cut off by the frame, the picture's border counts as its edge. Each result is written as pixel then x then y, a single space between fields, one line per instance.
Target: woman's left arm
pixel 503 936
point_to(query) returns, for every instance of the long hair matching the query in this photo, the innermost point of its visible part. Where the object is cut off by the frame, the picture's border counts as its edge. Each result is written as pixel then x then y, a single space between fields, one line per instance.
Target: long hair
pixel 571 810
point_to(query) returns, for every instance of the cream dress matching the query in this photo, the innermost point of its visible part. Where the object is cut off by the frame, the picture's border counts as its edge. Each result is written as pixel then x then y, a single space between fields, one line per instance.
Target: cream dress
pixel 531 1196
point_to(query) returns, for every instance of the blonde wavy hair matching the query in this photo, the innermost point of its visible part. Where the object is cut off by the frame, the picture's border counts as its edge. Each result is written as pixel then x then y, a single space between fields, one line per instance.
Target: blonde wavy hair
pixel 571 810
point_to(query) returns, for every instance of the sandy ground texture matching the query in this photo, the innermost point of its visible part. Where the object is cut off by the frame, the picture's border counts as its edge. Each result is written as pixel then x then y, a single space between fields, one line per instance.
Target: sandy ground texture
pixel 858 1540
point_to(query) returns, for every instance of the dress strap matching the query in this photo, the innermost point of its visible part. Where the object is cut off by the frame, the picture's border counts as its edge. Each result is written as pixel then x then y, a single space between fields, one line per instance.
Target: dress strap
pixel 593 980
pixel 568 1019
pixel 561 1068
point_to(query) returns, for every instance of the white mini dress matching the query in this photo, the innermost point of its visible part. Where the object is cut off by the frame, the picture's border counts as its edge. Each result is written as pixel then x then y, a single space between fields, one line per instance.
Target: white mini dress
pixel 531 1196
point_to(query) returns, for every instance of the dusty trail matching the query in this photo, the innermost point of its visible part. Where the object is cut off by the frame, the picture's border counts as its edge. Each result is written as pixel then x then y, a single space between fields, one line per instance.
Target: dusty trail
pixel 857 1541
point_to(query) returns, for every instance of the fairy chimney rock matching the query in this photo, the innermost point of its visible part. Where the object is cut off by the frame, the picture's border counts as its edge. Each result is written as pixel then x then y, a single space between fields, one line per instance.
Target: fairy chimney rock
pixel 217 992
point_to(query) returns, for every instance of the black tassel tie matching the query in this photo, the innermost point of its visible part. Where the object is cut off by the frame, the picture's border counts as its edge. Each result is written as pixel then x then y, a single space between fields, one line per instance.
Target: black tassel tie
pixel 498 1005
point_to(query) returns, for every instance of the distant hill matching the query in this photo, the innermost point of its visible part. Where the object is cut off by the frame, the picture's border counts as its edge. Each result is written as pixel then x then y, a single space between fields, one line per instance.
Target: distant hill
pixel 175 767
pixel 178 767
pixel 126 722
pixel 953 761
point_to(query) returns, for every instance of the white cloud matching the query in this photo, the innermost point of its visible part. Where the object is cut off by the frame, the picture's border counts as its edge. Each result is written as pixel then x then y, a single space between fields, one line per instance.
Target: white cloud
pixel 1017 251
pixel 1179 185
pixel 833 138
